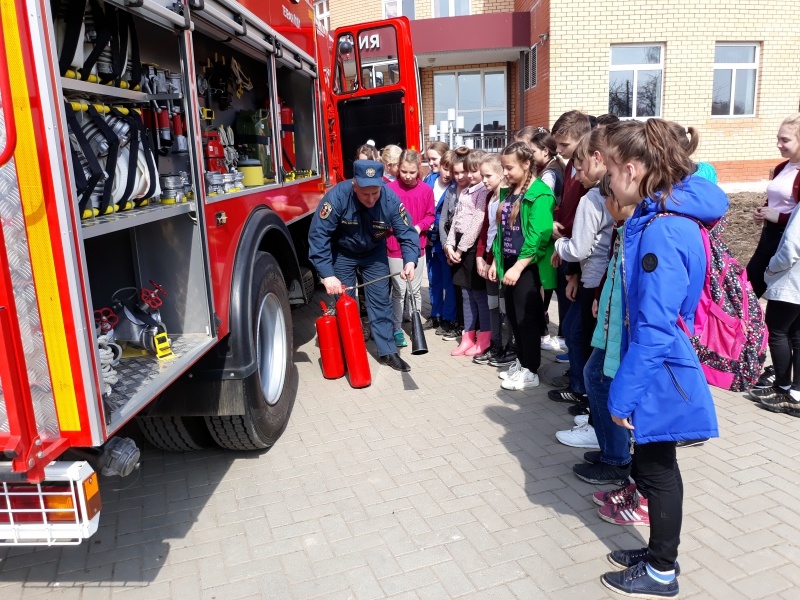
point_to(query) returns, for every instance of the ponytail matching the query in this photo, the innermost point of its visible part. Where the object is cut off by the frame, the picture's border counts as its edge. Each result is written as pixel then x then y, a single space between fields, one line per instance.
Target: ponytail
pixel 655 144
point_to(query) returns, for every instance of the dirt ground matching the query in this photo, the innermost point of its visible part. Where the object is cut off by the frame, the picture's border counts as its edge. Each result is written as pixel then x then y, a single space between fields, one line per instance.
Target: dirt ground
pixel 742 233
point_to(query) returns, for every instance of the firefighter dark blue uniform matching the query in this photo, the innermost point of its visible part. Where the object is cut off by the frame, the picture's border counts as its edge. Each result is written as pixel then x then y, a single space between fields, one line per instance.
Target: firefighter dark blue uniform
pixel 346 235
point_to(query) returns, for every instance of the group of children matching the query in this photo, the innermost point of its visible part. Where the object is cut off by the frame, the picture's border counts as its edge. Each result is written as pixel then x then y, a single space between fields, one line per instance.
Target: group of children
pixel 571 211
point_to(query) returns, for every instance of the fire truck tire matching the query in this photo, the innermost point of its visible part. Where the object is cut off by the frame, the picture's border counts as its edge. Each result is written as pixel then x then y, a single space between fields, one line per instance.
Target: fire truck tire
pixel 268 393
pixel 175 434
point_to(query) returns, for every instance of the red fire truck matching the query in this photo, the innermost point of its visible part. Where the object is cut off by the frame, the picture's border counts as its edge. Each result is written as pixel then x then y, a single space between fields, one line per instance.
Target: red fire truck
pixel 159 165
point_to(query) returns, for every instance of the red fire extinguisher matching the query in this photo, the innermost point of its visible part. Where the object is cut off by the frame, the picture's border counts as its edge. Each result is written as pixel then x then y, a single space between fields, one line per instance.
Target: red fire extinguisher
pixel 287 136
pixel 330 345
pixel 355 350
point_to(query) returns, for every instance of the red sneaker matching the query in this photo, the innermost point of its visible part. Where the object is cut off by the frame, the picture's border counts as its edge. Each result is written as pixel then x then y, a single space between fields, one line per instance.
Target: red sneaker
pixel 633 512
pixel 617 496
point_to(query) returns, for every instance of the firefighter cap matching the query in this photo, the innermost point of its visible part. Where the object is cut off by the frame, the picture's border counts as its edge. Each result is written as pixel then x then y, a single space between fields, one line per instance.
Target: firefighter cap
pixel 368 173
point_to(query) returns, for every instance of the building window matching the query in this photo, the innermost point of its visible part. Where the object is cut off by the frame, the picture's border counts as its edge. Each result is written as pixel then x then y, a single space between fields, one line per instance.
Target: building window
pixel 531 65
pixel 323 13
pixel 398 8
pixel 735 76
pixel 635 81
pixel 451 8
pixel 478 97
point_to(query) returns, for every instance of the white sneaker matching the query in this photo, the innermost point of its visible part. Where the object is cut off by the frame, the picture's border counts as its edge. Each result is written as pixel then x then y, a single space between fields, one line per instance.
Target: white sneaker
pixel 562 343
pixel 511 370
pixel 550 343
pixel 580 436
pixel 581 420
pixel 521 380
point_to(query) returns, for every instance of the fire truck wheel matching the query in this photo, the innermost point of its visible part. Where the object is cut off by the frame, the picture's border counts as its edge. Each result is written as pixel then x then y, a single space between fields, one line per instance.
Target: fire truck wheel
pixel 175 434
pixel 268 392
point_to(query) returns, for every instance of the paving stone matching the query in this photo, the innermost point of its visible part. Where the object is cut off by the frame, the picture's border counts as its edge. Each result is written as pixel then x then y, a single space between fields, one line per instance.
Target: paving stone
pixel 430 485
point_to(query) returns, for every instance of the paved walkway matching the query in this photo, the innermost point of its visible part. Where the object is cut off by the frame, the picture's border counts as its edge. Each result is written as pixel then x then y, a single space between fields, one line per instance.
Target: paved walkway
pixel 432 484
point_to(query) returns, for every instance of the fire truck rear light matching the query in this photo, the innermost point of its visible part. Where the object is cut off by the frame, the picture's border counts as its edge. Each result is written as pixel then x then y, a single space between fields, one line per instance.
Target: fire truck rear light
pixel 63 509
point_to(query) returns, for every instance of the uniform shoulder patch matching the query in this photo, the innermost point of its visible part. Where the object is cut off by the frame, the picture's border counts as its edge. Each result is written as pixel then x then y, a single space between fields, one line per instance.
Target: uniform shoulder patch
pixel 649 262
pixel 403 214
pixel 326 210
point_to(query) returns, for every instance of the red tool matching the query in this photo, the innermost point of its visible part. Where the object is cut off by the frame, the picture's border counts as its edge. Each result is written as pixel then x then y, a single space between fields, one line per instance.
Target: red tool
pixel 105 319
pixel 355 350
pixel 214 152
pixel 287 137
pixel 151 297
pixel 330 345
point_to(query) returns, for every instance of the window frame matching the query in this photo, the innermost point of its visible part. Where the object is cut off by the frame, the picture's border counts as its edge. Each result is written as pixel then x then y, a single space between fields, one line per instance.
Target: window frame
pixel 483 71
pixel 636 68
pixel 400 13
pixel 733 67
pixel 451 9
pixel 322 13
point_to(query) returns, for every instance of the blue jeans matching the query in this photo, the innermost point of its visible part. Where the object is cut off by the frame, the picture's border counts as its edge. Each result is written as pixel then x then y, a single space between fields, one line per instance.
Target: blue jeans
pixel 561 296
pixel 614 441
pixel 573 335
pixel 379 302
pixel 440 284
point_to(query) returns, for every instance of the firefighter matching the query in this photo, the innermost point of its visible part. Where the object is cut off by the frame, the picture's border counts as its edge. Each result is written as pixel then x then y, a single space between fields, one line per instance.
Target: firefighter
pixel 349 232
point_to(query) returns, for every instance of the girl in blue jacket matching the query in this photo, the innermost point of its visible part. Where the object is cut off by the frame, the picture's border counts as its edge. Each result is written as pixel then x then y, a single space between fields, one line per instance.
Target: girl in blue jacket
pixel 659 393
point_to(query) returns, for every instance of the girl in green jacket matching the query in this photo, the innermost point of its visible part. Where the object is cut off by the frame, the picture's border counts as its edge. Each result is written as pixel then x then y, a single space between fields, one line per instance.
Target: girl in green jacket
pixel 522 250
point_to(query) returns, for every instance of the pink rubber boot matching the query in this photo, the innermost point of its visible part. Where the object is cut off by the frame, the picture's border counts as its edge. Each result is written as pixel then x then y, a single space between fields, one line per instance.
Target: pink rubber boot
pixel 467 342
pixel 482 345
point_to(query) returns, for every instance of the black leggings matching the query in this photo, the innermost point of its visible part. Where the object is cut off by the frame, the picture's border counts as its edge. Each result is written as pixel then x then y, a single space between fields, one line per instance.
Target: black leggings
pixel 783 323
pixel 766 249
pixel 657 476
pixel 548 295
pixel 525 311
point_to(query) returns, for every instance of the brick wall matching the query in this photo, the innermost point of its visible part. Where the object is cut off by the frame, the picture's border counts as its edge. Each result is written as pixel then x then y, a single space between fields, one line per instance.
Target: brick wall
pixel 487 6
pixel 744 170
pixel 580 43
pixel 537 99
pixel 348 12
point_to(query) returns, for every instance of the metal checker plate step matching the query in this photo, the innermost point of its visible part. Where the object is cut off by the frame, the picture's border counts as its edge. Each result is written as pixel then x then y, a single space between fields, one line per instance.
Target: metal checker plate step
pixel 137 374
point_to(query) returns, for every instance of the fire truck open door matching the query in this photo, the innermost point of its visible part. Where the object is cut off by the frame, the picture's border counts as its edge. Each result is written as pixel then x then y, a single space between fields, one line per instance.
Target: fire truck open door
pixel 46 394
pixel 375 87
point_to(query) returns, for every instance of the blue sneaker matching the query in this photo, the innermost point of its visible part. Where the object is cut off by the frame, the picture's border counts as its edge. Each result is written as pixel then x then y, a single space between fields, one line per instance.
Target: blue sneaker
pixel 637 583
pixel 562 358
pixel 400 339
pixel 624 559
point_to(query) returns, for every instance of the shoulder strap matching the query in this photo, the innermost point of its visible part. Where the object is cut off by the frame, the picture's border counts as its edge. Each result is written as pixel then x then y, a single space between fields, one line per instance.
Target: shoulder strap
pixel 133 155
pixel 102 40
pixel 147 148
pixel 72 34
pixel 111 160
pixel 85 187
pixel 674 214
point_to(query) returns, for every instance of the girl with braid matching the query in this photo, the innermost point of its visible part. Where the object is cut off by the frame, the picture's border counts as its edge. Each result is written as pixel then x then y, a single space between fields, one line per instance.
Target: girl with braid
pixel 522 250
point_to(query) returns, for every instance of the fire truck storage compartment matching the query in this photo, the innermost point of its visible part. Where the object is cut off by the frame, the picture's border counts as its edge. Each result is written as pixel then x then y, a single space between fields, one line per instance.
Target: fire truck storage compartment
pixel 166 252
pixel 236 99
pixel 299 142
pixel 149 242
pixel 161 108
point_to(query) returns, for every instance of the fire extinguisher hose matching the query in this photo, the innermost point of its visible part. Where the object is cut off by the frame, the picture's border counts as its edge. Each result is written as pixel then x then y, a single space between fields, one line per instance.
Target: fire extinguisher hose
pixel 366 283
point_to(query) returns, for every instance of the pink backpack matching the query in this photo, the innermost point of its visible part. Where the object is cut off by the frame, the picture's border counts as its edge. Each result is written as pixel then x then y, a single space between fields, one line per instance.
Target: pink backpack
pixel 730 336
